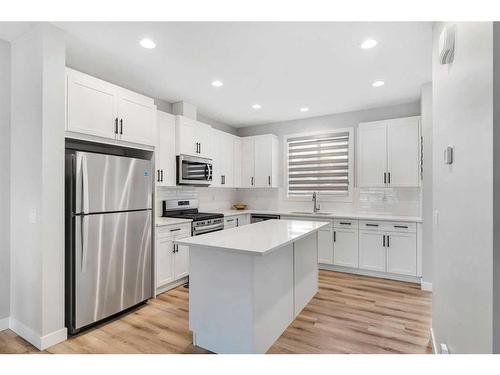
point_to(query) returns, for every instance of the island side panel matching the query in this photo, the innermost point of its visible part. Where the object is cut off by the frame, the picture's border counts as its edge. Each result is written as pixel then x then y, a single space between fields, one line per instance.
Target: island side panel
pixel 220 300
pixel 273 296
pixel 305 270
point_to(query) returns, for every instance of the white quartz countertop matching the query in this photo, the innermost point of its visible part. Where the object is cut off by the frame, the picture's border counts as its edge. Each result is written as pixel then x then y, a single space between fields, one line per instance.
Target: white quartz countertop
pixel 256 239
pixel 328 215
pixel 161 221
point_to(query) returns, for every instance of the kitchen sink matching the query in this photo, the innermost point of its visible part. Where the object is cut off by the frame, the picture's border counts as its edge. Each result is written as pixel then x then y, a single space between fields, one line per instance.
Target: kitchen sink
pixel 310 213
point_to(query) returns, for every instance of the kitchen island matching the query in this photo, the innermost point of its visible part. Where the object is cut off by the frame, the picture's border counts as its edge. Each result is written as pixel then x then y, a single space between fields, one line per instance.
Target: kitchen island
pixel 247 284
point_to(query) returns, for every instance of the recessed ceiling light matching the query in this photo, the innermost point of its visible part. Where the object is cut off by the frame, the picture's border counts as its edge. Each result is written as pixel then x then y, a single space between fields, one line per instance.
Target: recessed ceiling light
pixel 368 43
pixel 217 83
pixel 304 109
pixel 256 106
pixel 378 83
pixel 147 43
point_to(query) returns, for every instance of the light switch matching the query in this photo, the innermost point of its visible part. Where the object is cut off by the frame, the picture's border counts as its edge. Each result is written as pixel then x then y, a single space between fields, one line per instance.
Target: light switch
pixel 448 155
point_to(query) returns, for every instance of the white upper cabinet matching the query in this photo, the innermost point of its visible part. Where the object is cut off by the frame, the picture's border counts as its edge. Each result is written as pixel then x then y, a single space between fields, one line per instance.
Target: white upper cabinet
pixel 403 151
pixel 165 150
pixel 137 118
pixel 237 160
pixel 248 162
pixel 260 161
pixel 389 153
pixel 223 159
pixel 98 108
pixel 193 138
pixel 372 150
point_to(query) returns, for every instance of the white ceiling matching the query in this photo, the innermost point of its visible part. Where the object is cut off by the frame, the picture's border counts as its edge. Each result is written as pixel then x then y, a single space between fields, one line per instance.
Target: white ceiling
pixel 282 66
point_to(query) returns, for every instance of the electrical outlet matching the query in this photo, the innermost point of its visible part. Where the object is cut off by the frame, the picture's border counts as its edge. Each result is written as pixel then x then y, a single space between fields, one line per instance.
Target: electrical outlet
pixel 444 349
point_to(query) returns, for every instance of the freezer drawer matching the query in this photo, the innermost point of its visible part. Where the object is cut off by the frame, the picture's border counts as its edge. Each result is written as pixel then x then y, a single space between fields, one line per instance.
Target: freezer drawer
pixel 106 183
pixel 112 264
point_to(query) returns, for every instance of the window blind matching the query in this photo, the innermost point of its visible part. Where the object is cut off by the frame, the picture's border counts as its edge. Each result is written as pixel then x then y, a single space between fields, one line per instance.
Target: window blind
pixel 318 163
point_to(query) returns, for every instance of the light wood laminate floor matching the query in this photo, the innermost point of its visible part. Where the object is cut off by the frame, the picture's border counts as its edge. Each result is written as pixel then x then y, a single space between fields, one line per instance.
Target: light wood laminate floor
pixel 349 314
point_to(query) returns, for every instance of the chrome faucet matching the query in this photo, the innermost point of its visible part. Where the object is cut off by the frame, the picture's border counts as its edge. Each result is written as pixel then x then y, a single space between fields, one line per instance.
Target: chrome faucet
pixel 316 205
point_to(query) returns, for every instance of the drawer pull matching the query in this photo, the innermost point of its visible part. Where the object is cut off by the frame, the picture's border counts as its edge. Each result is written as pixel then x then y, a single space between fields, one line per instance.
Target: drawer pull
pixel 345 223
pixel 174 230
pixel 401 226
pixel 229 220
pixel 371 225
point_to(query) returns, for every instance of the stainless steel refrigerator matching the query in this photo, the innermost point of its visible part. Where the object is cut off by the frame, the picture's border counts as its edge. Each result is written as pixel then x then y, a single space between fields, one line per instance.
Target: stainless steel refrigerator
pixel 108 236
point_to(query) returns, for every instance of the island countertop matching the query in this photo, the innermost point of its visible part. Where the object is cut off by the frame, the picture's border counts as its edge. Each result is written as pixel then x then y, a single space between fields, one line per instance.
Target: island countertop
pixel 255 239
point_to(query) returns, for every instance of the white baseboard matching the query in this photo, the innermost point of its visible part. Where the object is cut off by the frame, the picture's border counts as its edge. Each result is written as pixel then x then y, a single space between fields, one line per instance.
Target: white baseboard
pixel 433 342
pixel 358 271
pixel 424 285
pixel 172 285
pixel 4 323
pixel 40 342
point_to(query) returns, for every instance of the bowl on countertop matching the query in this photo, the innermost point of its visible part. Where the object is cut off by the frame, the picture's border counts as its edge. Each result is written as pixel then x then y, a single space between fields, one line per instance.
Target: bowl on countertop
pixel 239 206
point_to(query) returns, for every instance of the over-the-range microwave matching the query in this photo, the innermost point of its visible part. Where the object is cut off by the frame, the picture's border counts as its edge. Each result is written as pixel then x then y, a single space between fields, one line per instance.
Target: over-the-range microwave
pixel 193 170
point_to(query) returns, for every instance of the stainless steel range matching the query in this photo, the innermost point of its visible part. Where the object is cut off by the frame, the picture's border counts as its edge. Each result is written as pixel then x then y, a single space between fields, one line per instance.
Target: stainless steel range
pixel 203 222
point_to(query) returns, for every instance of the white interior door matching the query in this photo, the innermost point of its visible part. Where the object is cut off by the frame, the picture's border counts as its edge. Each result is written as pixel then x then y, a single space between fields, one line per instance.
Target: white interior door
pixel 372 154
pixel 137 118
pixel 325 246
pixel 164 261
pixel 263 161
pixel 403 151
pixel 402 253
pixel 248 162
pixel 91 105
pixel 345 248
pixel 372 254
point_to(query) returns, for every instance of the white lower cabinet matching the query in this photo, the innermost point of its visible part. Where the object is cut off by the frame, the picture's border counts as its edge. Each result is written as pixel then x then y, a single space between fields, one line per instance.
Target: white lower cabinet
pixel 401 253
pixel 172 261
pixel 345 247
pixel 236 221
pixel 325 246
pixel 372 254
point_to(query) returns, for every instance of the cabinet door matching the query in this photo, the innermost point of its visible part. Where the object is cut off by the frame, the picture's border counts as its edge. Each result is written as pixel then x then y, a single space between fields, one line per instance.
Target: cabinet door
pixel 186 141
pixel 325 246
pixel 263 161
pixel 164 261
pixel 217 158
pixel 248 162
pixel 137 118
pixel 403 151
pixel 237 162
pixel 165 150
pixel 345 248
pixel 231 222
pixel 372 154
pixel 91 105
pixel 181 262
pixel 402 253
pixel 372 254
pixel 203 136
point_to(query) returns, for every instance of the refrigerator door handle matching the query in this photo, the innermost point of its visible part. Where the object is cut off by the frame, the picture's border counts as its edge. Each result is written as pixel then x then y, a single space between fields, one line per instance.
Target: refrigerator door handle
pixel 85 186
pixel 85 235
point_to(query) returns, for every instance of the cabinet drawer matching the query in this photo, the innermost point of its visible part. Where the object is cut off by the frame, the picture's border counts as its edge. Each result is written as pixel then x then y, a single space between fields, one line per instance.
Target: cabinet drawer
pixel 371 225
pixel 393 226
pixel 345 223
pixel 177 231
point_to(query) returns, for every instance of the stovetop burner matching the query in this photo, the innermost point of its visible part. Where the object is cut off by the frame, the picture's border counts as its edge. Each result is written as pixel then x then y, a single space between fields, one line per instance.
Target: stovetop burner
pixel 186 209
pixel 193 215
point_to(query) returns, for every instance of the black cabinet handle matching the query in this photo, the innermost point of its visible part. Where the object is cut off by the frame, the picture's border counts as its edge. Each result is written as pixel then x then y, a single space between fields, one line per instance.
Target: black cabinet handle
pixel 197 147
pixel 229 220
pixel 383 240
pixel 121 126
pixel 385 178
pixel 401 226
pixel 237 221
pixel 175 230
pixel 388 244
pixel 334 236
pixel 161 175
pixel 116 125
pixel 388 177
pixel 158 178
pixel 200 149
pixel 371 225
pixel 251 183
pixel 346 223
pixel 269 180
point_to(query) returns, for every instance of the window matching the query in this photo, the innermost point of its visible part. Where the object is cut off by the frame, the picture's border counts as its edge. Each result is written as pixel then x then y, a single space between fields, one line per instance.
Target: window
pixel 319 162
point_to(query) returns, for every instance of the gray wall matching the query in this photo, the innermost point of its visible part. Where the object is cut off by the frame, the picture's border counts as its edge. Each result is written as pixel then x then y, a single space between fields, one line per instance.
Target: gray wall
pixel 340 120
pixel 4 181
pixel 37 185
pixel 463 191
pixel 496 190
pixel 426 110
